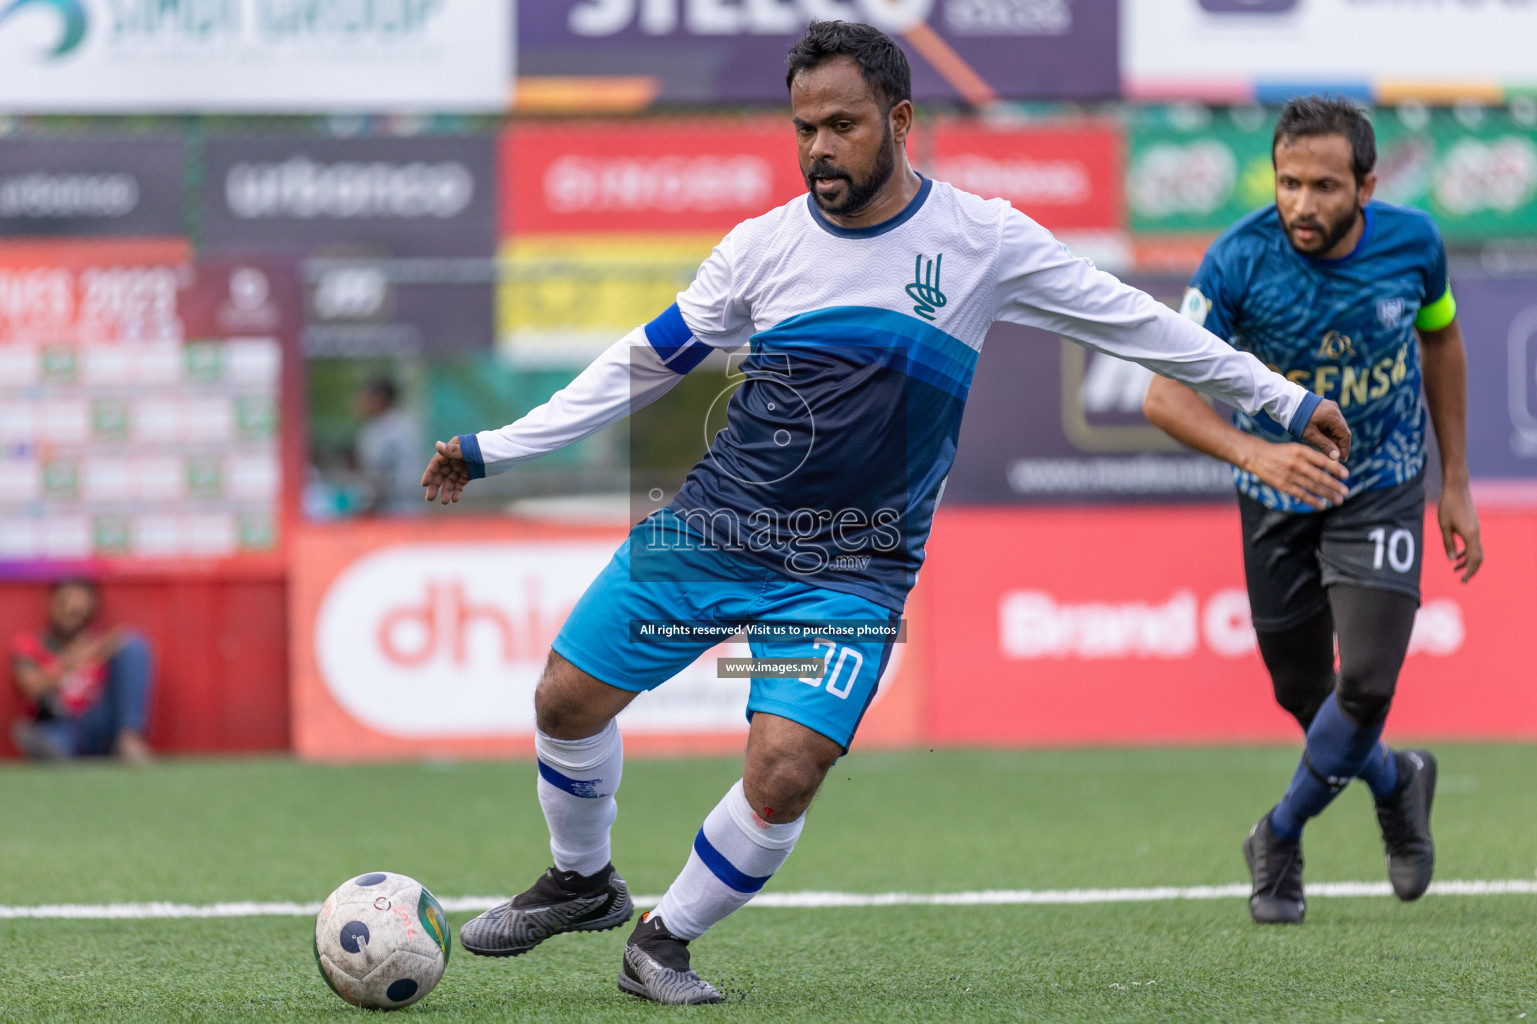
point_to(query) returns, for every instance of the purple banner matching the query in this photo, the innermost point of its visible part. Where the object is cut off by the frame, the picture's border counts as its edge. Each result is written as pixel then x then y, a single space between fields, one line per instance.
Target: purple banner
pixel 1499 326
pixel 733 51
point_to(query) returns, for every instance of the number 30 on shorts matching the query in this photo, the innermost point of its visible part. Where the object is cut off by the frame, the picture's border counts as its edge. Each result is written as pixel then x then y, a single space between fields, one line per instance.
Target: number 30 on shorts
pixel 1397 547
pixel 840 667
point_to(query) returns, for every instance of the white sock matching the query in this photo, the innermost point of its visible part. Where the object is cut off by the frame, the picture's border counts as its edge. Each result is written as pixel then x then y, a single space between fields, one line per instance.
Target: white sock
pixel 577 782
pixel 734 854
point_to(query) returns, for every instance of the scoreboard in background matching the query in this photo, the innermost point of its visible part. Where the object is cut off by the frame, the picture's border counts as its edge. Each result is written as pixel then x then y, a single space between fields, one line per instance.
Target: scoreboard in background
pixel 141 408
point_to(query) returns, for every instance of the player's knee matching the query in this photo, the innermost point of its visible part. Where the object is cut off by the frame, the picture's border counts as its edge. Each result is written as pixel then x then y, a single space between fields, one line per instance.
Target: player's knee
pixel 1302 694
pixel 1302 705
pixel 1366 695
pixel 780 783
pixel 560 705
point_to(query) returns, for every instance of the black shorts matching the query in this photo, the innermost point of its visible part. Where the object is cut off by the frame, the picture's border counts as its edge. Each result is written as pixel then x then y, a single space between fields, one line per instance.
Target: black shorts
pixel 1374 540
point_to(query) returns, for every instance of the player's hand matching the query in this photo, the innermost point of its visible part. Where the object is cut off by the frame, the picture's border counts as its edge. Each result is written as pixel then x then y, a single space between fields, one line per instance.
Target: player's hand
pixel 447 473
pixel 1328 432
pixel 1298 471
pixel 1459 520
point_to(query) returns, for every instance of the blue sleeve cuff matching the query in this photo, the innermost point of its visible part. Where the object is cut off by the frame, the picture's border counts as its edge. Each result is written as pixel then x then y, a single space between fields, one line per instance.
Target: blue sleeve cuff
pixel 469 446
pixel 670 336
pixel 1304 413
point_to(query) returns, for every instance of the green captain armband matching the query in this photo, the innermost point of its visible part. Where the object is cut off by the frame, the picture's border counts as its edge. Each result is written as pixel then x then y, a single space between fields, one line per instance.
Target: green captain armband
pixel 1439 313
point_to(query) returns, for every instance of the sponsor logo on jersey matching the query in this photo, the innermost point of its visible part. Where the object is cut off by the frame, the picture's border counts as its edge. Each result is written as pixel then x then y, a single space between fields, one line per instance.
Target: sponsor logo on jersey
pixel 1390 312
pixel 924 290
pixel 1195 306
pixel 1336 345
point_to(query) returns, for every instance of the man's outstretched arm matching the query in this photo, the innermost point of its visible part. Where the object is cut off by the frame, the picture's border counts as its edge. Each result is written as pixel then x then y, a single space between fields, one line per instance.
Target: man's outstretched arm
pixel 629 375
pixel 1041 285
pixel 1298 470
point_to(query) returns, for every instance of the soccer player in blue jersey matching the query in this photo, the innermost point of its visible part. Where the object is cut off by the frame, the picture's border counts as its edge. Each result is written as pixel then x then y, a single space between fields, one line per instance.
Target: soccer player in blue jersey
pixel 862 307
pixel 1331 288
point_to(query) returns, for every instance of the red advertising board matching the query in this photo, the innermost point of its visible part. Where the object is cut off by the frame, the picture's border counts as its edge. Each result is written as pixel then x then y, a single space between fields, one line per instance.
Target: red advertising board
pixel 1068 179
pixel 700 175
pixel 412 641
pixel 1132 626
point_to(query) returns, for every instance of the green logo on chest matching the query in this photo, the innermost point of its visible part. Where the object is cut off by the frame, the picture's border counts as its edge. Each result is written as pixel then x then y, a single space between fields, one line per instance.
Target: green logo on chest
pixel 924 291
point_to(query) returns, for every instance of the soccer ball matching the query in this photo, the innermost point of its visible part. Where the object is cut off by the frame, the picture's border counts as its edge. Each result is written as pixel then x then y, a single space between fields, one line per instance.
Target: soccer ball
pixel 381 941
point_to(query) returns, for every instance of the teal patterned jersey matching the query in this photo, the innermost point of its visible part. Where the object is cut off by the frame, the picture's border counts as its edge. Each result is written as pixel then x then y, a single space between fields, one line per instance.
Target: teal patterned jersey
pixel 1343 328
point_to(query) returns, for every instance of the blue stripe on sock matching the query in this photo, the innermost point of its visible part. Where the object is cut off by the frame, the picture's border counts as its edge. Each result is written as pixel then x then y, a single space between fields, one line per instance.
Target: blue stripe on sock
pixel 587 788
pixel 724 869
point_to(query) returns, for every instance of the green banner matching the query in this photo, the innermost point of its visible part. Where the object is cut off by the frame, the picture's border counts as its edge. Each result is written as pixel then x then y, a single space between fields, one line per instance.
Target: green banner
pixel 1195 171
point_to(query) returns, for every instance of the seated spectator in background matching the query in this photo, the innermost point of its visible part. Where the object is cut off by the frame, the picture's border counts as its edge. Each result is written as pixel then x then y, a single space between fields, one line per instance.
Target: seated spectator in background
pixel 389 452
pixel 85 692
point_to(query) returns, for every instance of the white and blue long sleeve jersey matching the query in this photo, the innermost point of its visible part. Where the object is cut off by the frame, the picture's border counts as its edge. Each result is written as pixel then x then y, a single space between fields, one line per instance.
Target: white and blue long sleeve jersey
pixel 860 349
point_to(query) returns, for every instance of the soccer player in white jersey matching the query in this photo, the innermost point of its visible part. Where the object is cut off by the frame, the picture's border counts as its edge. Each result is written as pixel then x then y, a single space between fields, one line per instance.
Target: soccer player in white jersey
pixel 862 307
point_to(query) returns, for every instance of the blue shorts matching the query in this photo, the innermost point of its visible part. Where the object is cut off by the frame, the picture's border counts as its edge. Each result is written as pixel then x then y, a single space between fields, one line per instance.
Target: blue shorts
pixel 705 584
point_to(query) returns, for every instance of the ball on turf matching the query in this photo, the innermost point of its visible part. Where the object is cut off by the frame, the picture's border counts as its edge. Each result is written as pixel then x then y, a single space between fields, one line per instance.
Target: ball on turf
pixel 381 941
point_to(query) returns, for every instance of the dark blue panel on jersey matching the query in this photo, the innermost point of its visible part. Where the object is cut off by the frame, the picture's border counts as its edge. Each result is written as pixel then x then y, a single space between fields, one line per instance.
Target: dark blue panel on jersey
pixel 837 435
pixel 905 343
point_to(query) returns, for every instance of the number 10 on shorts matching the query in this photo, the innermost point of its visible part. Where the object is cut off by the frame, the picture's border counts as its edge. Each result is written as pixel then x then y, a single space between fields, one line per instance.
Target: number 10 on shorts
pixel 841 666
pixel 1398 547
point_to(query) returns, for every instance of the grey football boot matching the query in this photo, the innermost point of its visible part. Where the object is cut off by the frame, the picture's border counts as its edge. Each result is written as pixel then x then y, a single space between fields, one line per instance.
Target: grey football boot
pixel 1405 821
pixel 1275 864
pixel 656 967
pixel 561 901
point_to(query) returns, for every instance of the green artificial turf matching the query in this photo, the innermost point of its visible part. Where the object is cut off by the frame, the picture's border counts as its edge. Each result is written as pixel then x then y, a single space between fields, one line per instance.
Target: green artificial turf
pixel 206 831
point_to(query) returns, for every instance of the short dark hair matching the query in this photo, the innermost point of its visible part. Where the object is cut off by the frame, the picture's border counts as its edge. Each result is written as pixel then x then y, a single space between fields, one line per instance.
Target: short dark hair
pixel 881 61
pixel 384 388
pixel 83 582
pixel 1329 115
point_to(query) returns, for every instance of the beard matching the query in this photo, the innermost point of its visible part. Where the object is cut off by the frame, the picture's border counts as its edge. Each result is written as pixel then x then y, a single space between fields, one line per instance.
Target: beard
pixel 1329 235
pixel 856 194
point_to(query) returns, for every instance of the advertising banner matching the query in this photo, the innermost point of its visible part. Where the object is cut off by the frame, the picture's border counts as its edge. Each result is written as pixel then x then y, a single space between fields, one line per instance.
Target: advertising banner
pixel 98 186
pixel 706 51
pixel 1049 422
pixel 1235 50
pixel 1499 323
pixel 411 642
pixel 428 196
pixel 110 56
pixel 366 308
pixel 141 408
pixel 1105 627
pixel 703 175
pixel 1198 171
pixel 1068 178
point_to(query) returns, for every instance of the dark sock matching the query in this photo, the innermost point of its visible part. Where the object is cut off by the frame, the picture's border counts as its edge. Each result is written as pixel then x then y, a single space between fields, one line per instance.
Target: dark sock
pixel 1337 750
pixel 1380 772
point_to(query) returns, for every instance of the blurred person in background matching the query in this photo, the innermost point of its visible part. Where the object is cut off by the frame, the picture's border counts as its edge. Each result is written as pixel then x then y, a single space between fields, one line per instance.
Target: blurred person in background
pixel 85 691
pixel 1350 296
pixel 388 452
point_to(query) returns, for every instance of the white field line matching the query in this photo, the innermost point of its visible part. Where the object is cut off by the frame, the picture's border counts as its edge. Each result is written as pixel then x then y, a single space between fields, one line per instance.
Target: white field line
pixel 795 900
